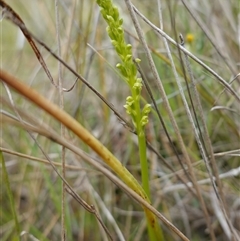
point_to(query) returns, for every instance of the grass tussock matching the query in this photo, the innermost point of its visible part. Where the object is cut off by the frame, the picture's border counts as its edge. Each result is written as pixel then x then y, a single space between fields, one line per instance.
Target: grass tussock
pixel 58 183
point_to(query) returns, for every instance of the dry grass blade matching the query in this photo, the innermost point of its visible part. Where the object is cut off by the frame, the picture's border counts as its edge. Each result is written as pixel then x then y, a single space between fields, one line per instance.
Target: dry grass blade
pixel 69 122
pixel 79 77
pixel 192 134
pixel 68 188
pixel 11 15
pixel 90 209
pixel 207 150
pixel 162 33
pixel 56 138
pixel 170 113
pixel 167 134
pixel 196 17
pixel 70 167
pixel 53 136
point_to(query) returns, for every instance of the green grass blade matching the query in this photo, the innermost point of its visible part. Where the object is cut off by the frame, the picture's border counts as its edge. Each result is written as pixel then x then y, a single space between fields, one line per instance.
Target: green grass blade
pixel 10 196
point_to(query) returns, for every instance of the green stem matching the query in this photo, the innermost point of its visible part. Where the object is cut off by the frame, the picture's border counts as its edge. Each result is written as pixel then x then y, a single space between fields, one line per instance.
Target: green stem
pixel 144 164
pixel 145 178
pixel 10 195
pixel 142 148
pixel 154 232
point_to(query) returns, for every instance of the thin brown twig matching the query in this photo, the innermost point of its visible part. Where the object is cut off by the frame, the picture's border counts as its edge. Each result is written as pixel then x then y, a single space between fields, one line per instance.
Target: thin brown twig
pixel 62 141
pixel 166 132
pixel 70 167
pixel 209 35
pixel 11 15
pixel 89 208
pixel 79 77
pixel 75 127
pixel 61 105
pixel 212 172
pixel 162 33
pixel 67 186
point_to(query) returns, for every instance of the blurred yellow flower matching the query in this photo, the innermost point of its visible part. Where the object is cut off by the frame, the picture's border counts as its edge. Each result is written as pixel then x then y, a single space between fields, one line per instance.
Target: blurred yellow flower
pixel 190 38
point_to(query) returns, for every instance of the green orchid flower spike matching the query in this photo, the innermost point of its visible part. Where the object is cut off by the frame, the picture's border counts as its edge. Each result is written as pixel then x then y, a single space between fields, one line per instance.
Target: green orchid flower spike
pixel 139 116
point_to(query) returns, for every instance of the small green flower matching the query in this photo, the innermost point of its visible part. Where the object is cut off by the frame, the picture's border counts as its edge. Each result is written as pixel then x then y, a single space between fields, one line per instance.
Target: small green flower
pixel 128 58
pixel 146 109
pixel 138 86
pixel 130 100
pixel 144 121
pixel 138 60
pixel 122 70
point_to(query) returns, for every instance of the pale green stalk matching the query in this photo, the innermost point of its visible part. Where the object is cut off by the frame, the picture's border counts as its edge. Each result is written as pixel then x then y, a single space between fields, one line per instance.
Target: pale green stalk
pixel 142 147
